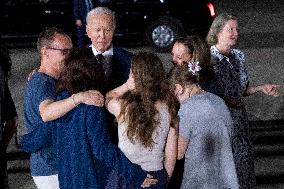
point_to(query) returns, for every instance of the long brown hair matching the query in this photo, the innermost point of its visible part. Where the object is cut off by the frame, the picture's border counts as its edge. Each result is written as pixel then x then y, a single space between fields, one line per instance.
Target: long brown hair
pixel 183 76
pixel 138 106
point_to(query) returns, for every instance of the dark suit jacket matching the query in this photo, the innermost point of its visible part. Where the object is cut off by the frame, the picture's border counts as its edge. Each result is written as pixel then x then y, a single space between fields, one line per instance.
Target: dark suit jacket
pixel 121 64
pixel 80 9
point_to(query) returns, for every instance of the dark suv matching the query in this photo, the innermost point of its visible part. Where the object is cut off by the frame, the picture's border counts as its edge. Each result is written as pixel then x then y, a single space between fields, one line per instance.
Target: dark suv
pixel 156 22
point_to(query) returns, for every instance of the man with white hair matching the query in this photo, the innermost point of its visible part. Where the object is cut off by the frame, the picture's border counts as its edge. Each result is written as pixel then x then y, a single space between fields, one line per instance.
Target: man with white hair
pixel 115 61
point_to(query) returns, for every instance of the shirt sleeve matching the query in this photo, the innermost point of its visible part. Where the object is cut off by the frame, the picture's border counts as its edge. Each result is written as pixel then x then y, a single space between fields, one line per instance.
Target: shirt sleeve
pixel 184 125
pixel 44 90
pixel 107 152
pixel 244 78
pixel 39 138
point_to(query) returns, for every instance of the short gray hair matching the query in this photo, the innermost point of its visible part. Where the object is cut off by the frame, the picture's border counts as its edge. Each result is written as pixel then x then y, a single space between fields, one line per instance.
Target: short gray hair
pixel 217 25
pixel 100 11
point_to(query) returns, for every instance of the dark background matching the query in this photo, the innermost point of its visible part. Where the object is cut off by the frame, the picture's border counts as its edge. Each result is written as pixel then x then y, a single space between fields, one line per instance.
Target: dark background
pixel 261 39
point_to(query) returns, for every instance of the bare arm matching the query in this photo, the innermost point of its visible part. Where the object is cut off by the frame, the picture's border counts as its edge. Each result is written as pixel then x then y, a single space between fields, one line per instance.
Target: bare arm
pixel 112 102
pixel 116 93
pixel 182 146
pixel 171 151
pixel 268 89
pixel 113 106
pixel 119 91
pixel 51 110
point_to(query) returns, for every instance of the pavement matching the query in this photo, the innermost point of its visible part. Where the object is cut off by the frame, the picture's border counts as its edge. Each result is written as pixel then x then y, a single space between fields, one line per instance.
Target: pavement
pixel 268 148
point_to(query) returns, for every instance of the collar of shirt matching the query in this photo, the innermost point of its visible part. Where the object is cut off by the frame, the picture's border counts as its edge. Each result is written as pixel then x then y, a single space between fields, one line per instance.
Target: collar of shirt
pixel 107 53
pixel 215 52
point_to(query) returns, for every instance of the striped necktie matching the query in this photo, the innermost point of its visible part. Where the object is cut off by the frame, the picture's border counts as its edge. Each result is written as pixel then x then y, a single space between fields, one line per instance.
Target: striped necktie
pixel 106 65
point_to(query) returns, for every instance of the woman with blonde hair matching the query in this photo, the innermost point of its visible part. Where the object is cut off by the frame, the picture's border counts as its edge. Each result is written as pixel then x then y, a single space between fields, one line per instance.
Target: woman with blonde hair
pixel 232 84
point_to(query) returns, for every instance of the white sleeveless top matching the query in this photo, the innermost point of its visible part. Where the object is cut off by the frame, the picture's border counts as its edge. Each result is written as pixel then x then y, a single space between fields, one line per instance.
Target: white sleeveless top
pixel 150 159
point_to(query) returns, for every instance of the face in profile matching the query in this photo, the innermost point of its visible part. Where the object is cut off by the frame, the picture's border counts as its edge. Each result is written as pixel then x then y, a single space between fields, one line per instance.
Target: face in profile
pixel 100 30
pixel 182 92
pixel 59 50
pixel 180 54
pixel 229 34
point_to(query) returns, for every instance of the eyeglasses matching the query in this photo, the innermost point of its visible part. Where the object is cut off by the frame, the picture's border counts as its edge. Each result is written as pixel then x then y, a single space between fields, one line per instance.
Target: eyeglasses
pixel 63 51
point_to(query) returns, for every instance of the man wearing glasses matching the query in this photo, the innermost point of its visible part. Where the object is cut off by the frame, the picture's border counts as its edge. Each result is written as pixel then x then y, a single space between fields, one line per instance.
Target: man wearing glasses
pixel 40 106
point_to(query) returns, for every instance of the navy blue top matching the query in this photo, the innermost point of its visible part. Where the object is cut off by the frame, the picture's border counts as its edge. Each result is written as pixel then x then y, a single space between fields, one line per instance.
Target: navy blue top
pixel 121 64
pixel 39 88
pixel 83 147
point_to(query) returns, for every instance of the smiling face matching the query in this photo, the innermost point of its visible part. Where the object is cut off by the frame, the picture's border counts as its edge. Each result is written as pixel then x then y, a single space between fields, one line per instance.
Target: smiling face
pixel 180 54
pixel 229 34
pixel 100 29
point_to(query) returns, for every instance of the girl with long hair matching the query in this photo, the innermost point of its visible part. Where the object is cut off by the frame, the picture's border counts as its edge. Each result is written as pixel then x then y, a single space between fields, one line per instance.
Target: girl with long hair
pixel 204 131
pixel 147 123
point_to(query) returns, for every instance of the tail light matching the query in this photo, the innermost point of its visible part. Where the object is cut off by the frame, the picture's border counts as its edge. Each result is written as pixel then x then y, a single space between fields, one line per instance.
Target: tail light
pixel 211 9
